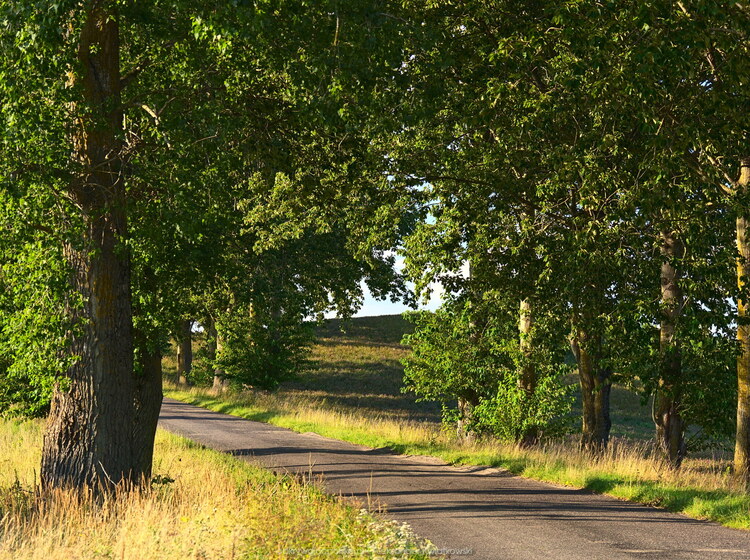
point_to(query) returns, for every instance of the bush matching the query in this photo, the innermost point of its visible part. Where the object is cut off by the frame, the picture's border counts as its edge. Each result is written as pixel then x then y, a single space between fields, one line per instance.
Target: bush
pixel 511 414
pixel 456 355
pixel 262 350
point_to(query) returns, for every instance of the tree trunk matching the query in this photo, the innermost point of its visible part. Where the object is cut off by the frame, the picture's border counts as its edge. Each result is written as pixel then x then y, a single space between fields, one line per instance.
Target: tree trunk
pixel 527 377
pixel 210 338
pixel 148 397
pixel 220 380
pixel 468 398
pixel 670 426
pixel 90 438
pixel 466 404
pixel 596 387
pixel 184 351
pixel 742 441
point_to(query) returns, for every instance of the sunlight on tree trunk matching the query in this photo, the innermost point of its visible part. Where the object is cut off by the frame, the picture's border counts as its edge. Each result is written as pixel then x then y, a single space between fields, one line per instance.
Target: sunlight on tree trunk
pixel 464 431
pixel 527 377
pixel 670 426
pixel 742 442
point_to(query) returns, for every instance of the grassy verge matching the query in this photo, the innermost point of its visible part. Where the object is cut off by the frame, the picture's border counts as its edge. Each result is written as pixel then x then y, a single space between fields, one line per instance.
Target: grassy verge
pixel 202 505
pixel 703 488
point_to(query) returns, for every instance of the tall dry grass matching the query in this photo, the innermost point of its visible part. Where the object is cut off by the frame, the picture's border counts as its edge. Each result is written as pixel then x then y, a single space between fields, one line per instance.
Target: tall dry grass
pixel 201 505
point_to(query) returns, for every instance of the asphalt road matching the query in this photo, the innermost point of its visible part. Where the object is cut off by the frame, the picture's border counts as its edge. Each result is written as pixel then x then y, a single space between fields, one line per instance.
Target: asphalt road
pixel 478 513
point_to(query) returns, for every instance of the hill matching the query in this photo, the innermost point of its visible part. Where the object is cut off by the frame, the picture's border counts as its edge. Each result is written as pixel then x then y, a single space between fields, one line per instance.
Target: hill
pixel 356 364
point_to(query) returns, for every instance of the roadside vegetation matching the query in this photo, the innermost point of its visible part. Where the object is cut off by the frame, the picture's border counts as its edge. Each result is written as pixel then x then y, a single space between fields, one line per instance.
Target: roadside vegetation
pixel 351 390
pixel 200 504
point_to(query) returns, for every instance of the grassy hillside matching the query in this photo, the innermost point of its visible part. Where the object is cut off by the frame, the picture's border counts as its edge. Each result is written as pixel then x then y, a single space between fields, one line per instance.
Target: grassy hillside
pixel 357 365
pixel 202 505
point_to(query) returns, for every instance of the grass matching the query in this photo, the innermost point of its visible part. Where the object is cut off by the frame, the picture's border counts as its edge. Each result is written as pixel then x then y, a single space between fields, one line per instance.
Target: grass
pixel 360 369
pixel 352 392
pixel 201 505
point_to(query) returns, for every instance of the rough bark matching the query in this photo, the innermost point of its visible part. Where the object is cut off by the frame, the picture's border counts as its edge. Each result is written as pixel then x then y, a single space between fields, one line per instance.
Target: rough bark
pixel 89 440
pixel 670 426
pixel 596 386
pixel 527 377
pixel 184 351
pixel 742 441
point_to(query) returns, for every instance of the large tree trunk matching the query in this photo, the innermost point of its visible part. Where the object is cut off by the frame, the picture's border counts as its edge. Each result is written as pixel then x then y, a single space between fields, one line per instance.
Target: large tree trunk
pixel 184 351
pixel 670 426
pixel 742 442
pixel 95 434
pixel 527 377
pixel 596 387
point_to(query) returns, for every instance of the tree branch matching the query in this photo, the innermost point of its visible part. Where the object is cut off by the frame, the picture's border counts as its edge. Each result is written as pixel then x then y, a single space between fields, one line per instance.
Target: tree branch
pixel 695 164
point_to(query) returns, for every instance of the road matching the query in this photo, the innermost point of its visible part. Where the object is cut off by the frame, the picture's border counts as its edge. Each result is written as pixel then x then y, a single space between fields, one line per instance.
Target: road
pixel 477 513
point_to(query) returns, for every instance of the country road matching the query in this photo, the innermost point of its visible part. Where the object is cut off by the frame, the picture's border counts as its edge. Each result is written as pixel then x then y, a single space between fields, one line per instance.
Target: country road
pixel 477 513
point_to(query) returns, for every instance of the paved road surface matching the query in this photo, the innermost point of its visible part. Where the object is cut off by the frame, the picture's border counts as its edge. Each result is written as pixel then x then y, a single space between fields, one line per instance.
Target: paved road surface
pixel 493 514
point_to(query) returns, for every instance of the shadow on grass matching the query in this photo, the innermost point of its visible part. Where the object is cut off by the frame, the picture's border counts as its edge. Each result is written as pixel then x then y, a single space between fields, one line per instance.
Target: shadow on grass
pixel 720 506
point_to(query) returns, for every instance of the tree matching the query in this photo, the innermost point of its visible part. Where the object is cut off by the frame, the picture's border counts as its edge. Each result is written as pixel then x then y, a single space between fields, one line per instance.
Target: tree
pixel 543 145
pixel 83 446
pixel 485 373
pixel 159 106
pixel 519 155
pixel 184 350
pixel 691 107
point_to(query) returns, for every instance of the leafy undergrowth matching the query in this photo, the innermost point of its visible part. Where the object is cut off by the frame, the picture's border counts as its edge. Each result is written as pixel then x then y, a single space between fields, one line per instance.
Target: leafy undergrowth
pixel 703 488
pixel 201 504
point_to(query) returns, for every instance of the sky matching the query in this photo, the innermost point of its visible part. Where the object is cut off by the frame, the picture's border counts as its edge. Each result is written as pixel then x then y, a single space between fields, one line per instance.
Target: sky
pixel 374 308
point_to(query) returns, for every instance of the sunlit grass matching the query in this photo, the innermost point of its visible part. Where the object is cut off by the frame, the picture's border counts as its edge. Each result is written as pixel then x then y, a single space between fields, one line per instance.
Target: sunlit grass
pixel 201 505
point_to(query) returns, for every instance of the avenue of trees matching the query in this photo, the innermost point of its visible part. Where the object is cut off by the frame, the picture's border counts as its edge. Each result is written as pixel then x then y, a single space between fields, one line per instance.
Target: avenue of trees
pixel 575 175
